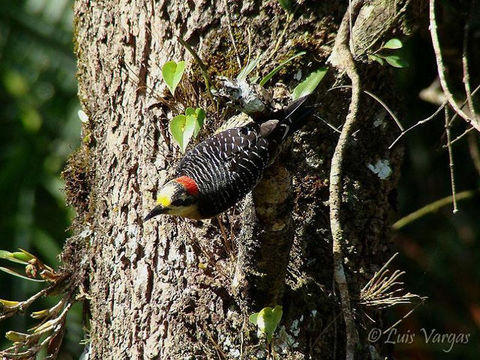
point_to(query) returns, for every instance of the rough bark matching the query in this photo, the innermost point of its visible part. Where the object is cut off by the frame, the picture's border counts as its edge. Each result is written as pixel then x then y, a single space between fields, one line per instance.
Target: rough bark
pixel 174 288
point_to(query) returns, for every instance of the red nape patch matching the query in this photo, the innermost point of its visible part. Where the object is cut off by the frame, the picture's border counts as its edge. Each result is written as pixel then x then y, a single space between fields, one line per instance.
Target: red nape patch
pixel 189 184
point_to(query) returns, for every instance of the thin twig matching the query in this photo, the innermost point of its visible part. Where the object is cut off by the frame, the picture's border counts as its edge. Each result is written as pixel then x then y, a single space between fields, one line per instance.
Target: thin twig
pixel 441 69
pixel 466 73
pixel 472 139
pixel 342 58
pixel 31 342
pixel 459 137
pixel 328 124
pixel 463 104
pixel 432 207
pixel 383 290
pixel 378 273
pixel 450 161
pixel 440 108
pixel 386 108
pixel 24 305
pixel 376 98
pixel 418 124
pixel 455 116
pixel 404 317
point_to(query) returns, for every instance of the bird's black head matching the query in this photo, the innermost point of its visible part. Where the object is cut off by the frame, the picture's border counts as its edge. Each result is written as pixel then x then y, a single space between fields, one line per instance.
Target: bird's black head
pixel 177 197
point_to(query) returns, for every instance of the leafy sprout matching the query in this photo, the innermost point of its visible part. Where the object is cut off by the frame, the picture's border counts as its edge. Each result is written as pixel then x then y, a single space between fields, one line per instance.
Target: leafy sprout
pixel 48 333
pixel 172 73
pixel 384 54
pixel 267 320
pixel 185 126
pixel 393 44
pixel 249 68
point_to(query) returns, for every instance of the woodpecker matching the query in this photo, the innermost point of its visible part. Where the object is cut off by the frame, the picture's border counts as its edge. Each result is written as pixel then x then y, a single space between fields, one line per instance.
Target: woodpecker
pixel 225 167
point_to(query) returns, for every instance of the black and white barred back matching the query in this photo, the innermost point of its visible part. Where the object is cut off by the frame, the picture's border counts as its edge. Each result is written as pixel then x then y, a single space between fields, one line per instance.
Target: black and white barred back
pixel 229 164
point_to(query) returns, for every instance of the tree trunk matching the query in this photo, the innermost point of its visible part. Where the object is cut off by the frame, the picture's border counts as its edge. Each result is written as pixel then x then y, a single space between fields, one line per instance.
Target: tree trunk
pixel 173 288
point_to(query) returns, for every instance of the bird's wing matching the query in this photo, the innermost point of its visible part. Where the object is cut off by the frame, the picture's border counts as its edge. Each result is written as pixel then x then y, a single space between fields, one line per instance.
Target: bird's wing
pixel 227 165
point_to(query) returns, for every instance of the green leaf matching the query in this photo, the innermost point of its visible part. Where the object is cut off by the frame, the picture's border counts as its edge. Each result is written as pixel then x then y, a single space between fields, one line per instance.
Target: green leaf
pixel 177 128
pixel 40 314
pixel 190 125
pixel 24 255
pixel 17 274
pixel 253 318
pixel 308 85
pixel 286 5
pixel 183 127
pixel 254 79
pixel 46 326
pixel 197 117
pixel 193 124
pixel 267 320
pixel 16 336
pixel 200 119
pixel 9 303
pixel 396 61
pixel 393 44
pixel 279 67
pixel 376 58
pixel 13 257
pixel 248 69
pixel 190 111
pixel 172 74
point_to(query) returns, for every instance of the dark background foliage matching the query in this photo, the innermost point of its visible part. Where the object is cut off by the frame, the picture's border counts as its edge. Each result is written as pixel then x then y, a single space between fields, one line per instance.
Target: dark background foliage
pixel 41 127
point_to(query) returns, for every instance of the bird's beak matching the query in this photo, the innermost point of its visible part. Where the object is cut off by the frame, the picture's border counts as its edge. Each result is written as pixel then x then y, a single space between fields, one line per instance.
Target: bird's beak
pixel 157 210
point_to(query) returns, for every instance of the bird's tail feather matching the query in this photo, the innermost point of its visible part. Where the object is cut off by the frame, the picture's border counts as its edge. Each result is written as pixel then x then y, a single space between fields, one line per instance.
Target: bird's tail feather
pixel 297 114
pixel 296 105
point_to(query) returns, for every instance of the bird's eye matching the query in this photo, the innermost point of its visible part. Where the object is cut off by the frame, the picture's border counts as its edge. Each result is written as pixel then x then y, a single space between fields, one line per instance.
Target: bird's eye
pixel 182 202
pixel 177 202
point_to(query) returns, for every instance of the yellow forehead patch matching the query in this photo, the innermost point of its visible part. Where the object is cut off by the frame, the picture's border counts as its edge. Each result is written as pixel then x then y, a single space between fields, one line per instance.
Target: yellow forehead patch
pixel 165 196
pixel 164 201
